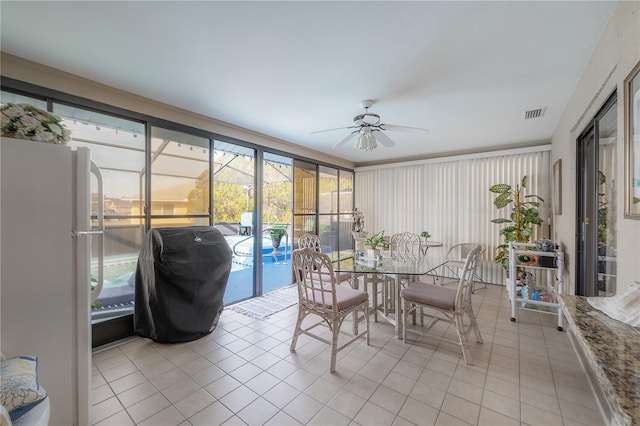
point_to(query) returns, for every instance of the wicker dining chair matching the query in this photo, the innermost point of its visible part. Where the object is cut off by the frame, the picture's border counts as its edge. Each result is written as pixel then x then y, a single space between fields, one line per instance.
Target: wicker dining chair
pixel 313 241
pixel 446 304
pixel 320 294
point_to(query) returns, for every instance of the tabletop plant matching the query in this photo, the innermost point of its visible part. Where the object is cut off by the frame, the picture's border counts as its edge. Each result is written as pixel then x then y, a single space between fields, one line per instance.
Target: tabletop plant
pixel 376 240
pixel 524 216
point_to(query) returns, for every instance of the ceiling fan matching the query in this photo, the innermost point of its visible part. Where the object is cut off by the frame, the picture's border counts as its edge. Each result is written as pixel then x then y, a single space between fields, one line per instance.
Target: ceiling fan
pixel 369 130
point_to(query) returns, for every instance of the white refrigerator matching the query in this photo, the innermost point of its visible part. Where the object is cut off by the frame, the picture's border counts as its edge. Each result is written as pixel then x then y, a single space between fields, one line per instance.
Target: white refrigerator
pixel 46 234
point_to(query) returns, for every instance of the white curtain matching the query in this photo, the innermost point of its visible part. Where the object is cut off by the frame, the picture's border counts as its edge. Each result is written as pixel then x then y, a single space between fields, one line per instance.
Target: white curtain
pixel 450 198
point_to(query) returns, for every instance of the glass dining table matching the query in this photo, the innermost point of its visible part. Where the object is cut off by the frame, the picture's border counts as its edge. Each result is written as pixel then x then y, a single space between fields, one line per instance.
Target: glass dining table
pixel 349 261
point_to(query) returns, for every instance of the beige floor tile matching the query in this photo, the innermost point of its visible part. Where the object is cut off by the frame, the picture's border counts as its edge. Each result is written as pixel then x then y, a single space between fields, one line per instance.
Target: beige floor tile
pixel 435 379
pixel 137 394
pixel 245 372
pixel 258 412
pixel 542 400
pixel 303 408
pixel 179 390
pixel 222 386
pixel 121 418
pixel 578 412
pixel 194 402
pixel 239 398
pixel 233 421
pixel 418 413
pixel 445 419
pixel 208 375
pixel 281 394
pixel 374 415
pixel 301 379
pixel 428 394
pixel 536 416
pixel 327 416
pixel 502 387
pixel 492 418
pixel 213 414
pixel 466 391
pixel 100 394
pixel 282 369
pixel 167 417
pixel 157 369
pixel 148 407
pixel 461 408
pixel 322 391
pixel 388 399
pixel 399 382
pixel 262 383
pixel 105 409
pixel 282 419
pixel 120 371
pixel 346 403
pixel 501 404
pixel 169 378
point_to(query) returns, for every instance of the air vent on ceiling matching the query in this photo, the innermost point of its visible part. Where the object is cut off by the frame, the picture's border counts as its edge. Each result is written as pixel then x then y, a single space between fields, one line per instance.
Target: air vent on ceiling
pixel 534 113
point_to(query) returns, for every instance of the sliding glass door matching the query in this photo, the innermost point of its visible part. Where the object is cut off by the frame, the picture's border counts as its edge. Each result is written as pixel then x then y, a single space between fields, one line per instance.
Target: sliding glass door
pixel 277 230
pixel 596 204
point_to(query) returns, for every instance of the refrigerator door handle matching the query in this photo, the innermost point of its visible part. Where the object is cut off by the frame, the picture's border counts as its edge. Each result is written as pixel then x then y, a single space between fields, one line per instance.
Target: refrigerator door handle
pixel 98 232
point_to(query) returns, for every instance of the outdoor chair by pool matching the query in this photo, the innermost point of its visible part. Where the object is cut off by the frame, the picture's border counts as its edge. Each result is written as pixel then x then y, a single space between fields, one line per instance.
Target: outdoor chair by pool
pixel 320 294
pixel 246 223
pixel 446 304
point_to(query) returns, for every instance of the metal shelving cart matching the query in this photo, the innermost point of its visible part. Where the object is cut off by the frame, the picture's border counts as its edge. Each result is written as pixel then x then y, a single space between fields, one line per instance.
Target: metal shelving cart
pixel 552 264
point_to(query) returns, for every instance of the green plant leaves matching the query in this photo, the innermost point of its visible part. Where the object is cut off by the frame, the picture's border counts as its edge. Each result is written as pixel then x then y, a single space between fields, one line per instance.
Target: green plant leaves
pixel 524 216
pixel 500 188
pixel 501 220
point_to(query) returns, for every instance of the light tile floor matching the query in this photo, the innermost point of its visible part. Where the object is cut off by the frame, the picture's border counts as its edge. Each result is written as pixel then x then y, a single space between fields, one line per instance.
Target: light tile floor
pixel 243 373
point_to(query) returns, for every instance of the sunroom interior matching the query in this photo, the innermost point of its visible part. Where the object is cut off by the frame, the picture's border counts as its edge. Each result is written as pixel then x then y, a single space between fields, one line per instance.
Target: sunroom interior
pixel 170 166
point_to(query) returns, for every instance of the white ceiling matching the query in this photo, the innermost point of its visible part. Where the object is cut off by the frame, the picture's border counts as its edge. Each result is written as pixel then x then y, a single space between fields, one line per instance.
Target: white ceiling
pixel 466 71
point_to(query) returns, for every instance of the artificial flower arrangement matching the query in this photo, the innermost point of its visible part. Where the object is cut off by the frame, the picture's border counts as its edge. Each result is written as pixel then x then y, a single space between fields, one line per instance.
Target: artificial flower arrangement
pixel 358 220
pixel 24 121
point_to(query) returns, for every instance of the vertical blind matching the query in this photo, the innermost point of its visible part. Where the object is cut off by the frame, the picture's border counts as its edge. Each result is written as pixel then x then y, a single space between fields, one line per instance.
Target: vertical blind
pixel 450 199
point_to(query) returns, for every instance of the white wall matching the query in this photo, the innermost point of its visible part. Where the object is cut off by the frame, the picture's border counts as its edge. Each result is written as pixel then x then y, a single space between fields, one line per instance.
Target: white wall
pixel 616 54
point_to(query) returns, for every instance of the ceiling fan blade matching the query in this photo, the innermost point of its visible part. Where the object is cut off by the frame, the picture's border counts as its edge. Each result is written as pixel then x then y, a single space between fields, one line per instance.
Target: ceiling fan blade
pixel 347 139
pixel 337 128
pixel 396 128
pixel 384 139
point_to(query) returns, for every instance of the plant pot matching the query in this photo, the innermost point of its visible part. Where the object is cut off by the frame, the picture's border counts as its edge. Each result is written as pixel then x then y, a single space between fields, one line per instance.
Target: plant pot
pixel 373 253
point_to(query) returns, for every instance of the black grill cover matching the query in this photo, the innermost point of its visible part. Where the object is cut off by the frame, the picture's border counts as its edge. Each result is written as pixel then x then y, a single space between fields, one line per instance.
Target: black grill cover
pixel 181 277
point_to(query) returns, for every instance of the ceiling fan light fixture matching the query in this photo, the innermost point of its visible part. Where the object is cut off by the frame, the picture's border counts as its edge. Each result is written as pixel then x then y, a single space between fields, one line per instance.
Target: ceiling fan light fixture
pixel 366 141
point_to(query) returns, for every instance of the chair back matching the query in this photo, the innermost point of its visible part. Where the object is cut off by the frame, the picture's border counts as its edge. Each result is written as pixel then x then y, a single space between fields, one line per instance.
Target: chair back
pixel 246 219
pixel 310 241
pixel 460 251
pixel 316 290
pixel 465 286
pixel 405 247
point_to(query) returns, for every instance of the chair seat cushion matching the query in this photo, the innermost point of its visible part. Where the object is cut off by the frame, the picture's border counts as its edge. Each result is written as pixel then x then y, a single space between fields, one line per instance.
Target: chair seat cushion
pixel 432 295
pixel 346 297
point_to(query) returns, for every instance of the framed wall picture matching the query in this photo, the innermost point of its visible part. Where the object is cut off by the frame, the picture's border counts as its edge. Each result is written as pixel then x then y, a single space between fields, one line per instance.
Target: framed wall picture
pixel 632 144
pixel 557 187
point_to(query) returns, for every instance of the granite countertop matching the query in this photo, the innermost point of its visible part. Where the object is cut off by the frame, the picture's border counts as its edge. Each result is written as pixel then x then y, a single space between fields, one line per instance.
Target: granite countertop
pixel 613 350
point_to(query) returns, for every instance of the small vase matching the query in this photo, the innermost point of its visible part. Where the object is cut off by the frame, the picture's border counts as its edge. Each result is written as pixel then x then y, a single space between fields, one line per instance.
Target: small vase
pixel 373 253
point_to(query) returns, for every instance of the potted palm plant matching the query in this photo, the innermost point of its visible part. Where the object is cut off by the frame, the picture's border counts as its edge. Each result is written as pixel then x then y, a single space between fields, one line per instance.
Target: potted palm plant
pixel 522 219
pixel 276 232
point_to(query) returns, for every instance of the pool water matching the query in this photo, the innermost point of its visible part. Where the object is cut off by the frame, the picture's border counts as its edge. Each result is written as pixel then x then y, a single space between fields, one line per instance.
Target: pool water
pixel 119 274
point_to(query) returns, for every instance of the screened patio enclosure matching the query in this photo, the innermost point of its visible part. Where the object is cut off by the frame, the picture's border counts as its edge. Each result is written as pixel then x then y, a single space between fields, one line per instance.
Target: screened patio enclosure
pixel 182 193
pixel 161 174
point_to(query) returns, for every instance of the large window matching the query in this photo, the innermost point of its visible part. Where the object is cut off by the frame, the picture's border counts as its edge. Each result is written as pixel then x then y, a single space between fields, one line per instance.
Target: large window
pixel 159 174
